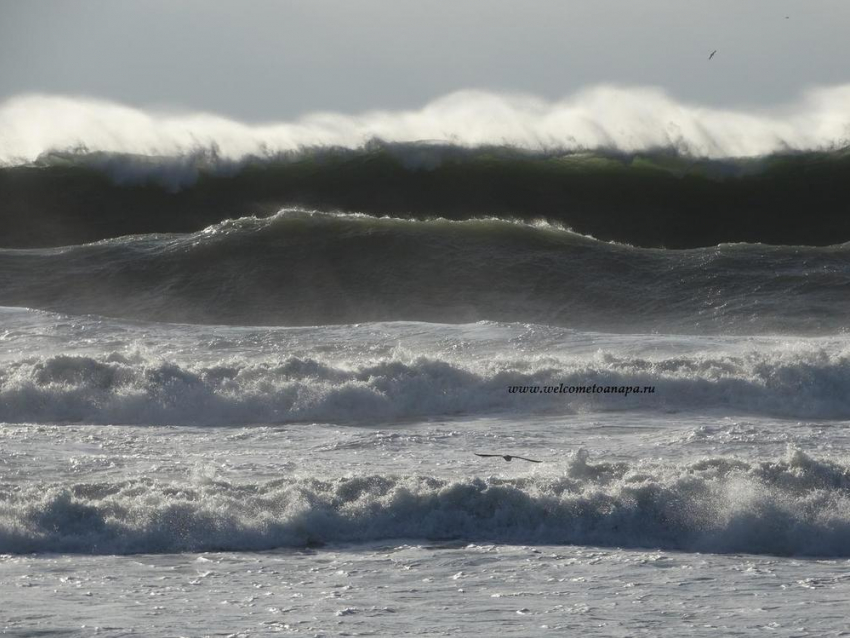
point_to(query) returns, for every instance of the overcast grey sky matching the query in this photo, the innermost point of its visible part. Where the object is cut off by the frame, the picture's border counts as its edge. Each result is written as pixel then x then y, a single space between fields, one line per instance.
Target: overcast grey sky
pixel 260 60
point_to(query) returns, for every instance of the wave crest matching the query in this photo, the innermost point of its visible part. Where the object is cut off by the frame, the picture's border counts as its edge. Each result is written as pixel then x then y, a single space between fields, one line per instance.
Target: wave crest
pixel 791 506
pixel 627 119
pixel 302 268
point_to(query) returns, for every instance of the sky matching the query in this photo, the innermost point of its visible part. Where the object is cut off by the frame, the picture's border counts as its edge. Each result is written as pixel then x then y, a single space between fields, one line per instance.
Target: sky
pixel 262 61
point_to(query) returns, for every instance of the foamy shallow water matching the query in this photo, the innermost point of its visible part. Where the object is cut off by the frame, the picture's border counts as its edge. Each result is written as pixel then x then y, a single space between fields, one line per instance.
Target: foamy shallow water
pixel 418 588
pixel 412 586
pixel 717 506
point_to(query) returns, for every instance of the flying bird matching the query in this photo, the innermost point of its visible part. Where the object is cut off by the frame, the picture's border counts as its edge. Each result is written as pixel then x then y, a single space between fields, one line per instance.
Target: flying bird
pixel 508 457
pixel 712 54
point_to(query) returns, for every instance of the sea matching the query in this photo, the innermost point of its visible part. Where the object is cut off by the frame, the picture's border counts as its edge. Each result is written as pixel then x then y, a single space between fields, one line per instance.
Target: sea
pixel 244 392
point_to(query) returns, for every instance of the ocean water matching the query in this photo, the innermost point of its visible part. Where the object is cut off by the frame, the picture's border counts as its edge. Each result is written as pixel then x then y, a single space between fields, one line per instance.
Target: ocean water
pixel 249 401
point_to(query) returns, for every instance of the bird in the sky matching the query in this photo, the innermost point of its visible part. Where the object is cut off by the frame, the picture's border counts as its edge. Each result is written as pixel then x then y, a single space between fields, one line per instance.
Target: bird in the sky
pixel 712 54
pixel 508 457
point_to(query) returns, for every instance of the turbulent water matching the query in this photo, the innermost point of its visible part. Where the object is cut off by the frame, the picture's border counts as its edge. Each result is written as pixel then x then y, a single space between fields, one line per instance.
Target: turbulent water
pixel 241 386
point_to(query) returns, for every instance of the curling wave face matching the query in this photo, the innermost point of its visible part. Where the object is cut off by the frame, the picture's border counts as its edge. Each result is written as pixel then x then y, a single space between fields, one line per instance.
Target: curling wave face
pixel 306 268
pixel 626 165
pixel 791 506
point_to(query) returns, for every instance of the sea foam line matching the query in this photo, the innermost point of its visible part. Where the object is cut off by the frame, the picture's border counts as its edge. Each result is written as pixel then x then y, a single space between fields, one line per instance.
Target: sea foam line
pixel 138 390
pixel 791 506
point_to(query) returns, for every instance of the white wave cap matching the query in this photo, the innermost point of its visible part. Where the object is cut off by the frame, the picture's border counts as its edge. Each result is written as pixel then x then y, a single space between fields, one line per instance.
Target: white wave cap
pixel 792 506
pixel 801 382
pixel 623 118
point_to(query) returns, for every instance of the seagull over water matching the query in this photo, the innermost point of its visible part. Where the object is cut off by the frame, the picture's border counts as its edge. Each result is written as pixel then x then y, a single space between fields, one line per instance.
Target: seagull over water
pixel 508 457
pixel 712 54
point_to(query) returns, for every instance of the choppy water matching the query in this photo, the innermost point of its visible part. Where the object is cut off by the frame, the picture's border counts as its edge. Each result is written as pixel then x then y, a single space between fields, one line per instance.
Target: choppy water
pixel 241 391
pixel 322 480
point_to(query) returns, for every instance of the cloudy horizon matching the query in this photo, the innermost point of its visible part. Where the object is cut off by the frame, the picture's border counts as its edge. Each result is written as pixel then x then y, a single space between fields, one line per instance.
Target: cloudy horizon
pixel 272 61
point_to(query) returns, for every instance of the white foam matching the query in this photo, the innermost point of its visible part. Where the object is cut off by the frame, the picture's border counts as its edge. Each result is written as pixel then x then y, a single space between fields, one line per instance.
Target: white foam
pixel 796 505
pixel 808 380
pixel 615 117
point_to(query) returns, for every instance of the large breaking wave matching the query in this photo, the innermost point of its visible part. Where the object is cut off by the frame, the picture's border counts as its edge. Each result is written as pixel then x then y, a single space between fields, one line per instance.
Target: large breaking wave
pixel 791 506
pixel 627 165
